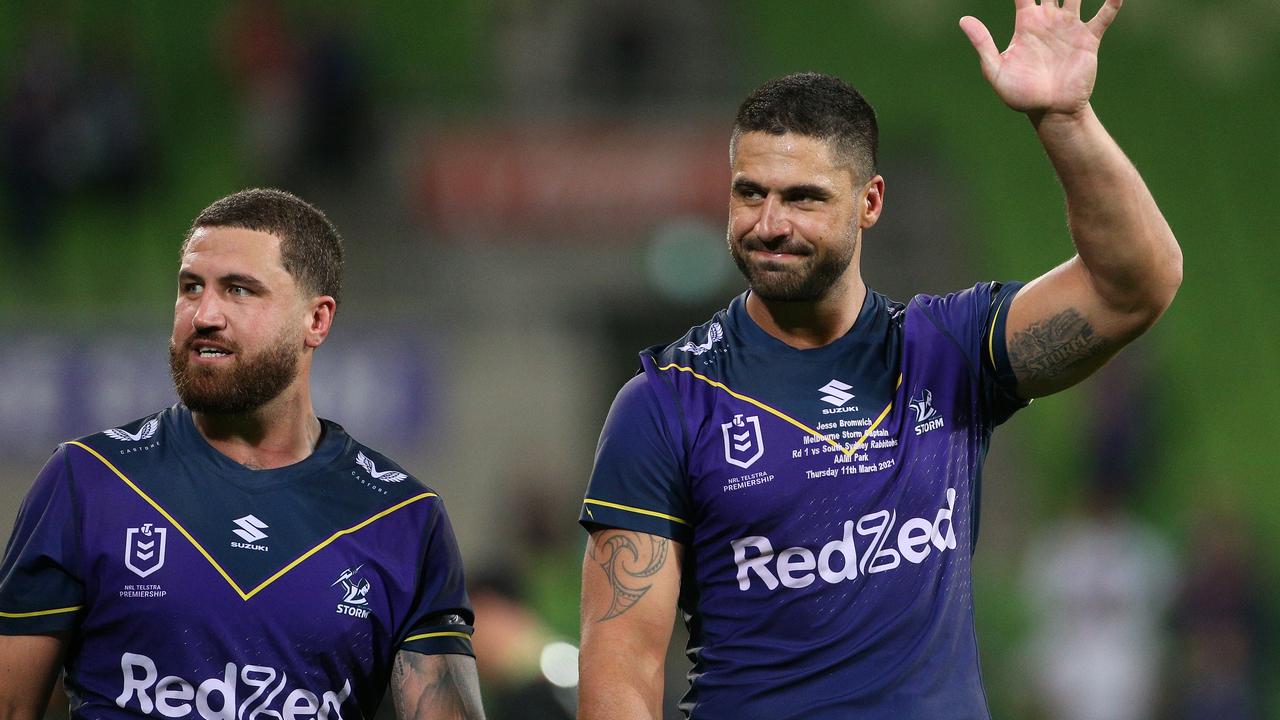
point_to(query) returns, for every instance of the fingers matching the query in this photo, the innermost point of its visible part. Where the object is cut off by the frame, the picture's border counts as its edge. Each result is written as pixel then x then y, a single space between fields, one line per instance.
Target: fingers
pixel 1019 4
pixel 1106 14
pixel 980 37
pixel 1072 6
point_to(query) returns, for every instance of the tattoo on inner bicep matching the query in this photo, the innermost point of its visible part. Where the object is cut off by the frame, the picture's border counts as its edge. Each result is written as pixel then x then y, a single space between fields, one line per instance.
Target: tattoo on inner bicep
pixel 1049 347
pixel 627 558
pixel 434 686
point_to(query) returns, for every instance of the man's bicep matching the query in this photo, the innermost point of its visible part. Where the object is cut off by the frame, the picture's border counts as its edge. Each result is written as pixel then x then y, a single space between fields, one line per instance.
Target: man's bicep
pixel 1059 331
pixel 28 669
pixel 626 570
pixel 435 687
pixel 630 586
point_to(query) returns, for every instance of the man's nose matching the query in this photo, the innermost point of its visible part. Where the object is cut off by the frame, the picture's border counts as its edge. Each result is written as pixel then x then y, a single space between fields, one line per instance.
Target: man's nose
pixel 772 223
pixel 209 315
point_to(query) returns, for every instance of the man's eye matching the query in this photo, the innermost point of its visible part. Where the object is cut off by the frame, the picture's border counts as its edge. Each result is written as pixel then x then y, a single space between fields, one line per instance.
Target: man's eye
pixel 192 288
pixel 239 291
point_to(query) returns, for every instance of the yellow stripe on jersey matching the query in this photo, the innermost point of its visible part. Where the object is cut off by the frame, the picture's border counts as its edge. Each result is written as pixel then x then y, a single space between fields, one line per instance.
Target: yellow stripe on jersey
pixel 991 335
pixel 848 450
pixel 628 508
pixel 38 613
pixel 200 548
pixel 424 636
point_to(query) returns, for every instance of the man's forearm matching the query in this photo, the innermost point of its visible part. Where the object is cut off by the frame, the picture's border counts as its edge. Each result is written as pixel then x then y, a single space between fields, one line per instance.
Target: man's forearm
pixel 616 685
pixel 1124 242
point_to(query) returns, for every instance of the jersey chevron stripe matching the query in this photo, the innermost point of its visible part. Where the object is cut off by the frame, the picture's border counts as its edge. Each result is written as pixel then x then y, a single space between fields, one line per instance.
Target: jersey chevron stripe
pixel 847 450
pixel 200 548
pixel 37 613
pixel 628 508
pixel 991 335
pixel 450 633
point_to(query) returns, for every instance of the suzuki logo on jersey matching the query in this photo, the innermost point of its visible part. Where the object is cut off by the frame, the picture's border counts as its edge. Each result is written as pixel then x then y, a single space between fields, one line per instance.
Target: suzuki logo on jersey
pixel 241 693
pixel 250 530
pixel 144 549
pixel 927 417
pixel 355 598
pixel 841 558
pixel 743 441
pixel 837 394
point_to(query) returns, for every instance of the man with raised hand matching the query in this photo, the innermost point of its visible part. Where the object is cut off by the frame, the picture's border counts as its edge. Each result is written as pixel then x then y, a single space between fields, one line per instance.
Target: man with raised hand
pixel 234 556
pixel 800 474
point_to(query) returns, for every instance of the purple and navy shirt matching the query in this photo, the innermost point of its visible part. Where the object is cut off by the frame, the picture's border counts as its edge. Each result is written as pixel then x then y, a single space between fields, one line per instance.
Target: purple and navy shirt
pixel 827 500
pixel 192 586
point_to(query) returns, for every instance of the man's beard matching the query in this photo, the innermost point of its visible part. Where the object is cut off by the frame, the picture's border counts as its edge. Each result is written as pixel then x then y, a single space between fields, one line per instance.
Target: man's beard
pixel 248 384
pixel 807 281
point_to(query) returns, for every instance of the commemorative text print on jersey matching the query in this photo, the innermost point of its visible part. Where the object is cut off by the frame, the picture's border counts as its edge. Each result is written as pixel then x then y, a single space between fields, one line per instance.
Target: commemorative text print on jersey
pixel 172 696
pixel 794 566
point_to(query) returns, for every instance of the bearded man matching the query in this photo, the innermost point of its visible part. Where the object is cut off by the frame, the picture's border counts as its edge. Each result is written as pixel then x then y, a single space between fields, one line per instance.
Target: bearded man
pixel 800 474
pixel 234 556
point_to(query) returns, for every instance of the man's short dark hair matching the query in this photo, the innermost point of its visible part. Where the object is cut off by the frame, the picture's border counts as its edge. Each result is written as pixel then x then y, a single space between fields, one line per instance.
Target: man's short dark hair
pixel 310 246
pixel 818 106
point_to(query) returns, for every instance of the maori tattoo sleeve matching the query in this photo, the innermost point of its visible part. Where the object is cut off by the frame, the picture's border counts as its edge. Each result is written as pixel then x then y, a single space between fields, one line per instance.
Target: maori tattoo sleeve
pixel 628 560
pixel 1048 348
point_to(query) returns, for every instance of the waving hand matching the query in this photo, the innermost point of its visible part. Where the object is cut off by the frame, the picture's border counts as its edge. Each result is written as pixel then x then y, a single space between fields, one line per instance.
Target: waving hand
pixel 1052 59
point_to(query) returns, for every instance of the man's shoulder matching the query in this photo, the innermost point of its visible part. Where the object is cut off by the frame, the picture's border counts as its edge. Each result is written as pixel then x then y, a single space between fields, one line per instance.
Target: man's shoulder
pixel 147 431
pixel 375 470
pixel 704 340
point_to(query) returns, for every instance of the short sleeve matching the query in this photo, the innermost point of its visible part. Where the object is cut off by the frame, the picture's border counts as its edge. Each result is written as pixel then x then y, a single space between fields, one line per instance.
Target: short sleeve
pixel 41 590
pixel 975 320
pixel 440 622
pixel 638 479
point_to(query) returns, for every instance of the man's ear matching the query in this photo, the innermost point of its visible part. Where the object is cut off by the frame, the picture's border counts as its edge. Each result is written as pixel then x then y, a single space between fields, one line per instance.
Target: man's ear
pixel 871 202
pixel 320 320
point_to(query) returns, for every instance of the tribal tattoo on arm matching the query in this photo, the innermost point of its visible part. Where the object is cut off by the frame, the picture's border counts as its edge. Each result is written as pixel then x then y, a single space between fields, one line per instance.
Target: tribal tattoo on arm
pixel 435 687
pixel 1051 347
pixel 628 560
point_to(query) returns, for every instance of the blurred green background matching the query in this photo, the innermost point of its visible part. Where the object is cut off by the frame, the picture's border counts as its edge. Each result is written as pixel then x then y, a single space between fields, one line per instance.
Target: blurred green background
pixel 409 123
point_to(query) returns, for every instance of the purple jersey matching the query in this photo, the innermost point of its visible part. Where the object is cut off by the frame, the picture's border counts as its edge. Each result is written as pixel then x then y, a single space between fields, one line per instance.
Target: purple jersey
pixel 827 500
pixel 192 586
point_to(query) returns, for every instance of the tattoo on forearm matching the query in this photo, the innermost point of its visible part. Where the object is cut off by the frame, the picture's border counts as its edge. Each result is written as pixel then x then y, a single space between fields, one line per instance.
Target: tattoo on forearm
pixel 1050 347
pixel 627 558
pixel 435 686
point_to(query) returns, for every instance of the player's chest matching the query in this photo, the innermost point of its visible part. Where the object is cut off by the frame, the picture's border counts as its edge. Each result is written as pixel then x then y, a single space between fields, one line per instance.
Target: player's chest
pixel 249 569
pixel 829 440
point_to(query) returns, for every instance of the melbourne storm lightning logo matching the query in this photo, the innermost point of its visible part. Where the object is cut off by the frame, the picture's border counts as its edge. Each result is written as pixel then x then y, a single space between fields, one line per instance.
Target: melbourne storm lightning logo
pixel 355 593
pixel 927 417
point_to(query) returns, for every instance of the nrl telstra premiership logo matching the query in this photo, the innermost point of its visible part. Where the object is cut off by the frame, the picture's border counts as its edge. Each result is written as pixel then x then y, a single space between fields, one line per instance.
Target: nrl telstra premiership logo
pixel 144 549
pixel 743 441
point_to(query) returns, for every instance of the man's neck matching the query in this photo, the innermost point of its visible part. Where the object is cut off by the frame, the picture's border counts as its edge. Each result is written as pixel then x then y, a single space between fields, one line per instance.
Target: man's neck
pixel 809 324
pixel 282 432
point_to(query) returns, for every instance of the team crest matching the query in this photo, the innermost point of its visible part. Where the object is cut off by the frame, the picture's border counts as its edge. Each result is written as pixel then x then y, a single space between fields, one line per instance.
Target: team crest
pixel 355 593
pixel 743 441
pixel 144 549
pixel 927 417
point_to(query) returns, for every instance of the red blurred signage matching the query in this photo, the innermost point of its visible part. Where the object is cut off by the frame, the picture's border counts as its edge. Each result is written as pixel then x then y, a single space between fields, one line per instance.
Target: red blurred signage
pixel 597 183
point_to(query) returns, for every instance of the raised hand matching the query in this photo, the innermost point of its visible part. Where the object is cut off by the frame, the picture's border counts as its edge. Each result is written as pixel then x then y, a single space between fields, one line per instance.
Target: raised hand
pixel 1051 62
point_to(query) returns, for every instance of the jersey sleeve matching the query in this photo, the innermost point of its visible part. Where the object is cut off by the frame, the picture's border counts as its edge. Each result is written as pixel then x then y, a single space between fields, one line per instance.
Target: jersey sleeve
pixel 638 479
pixel 41 589
pixel 440 622
pixel 975 320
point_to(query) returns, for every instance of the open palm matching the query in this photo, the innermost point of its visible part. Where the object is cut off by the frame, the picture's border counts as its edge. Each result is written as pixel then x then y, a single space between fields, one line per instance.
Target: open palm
pixel 1052 59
